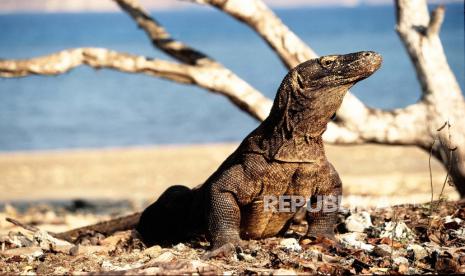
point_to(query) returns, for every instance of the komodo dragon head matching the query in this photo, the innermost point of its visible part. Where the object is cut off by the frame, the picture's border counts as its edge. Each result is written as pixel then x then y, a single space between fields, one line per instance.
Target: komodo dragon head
pixel 308 97
pixel 313 91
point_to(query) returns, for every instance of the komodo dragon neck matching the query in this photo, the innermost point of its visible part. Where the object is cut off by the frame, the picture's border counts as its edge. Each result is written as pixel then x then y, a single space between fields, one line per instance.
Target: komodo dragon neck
pixel 293 131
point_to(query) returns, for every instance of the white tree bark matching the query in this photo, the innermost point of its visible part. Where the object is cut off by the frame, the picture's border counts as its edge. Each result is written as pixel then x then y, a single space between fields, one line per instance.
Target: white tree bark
pixel 442 100
pixel 214 78
pixel 441 94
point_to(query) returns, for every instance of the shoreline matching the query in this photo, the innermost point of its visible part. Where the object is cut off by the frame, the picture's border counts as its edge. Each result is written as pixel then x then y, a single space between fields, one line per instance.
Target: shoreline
pixel 397 173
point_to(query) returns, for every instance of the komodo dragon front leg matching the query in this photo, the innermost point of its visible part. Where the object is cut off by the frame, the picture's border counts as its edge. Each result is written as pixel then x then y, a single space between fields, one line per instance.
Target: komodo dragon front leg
pixel 228 191
pixel 223 223
pixel 324 205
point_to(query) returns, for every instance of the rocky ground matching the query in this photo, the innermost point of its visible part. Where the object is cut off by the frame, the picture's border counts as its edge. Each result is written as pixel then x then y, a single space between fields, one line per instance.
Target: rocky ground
pixel 41 188
pixel 404 239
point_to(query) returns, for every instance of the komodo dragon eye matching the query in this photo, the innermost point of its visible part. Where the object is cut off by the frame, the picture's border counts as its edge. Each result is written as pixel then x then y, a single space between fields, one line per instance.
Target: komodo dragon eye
pixel 327 61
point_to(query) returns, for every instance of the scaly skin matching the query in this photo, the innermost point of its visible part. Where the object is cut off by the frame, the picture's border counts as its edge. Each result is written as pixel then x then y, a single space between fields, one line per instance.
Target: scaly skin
pixel 284 155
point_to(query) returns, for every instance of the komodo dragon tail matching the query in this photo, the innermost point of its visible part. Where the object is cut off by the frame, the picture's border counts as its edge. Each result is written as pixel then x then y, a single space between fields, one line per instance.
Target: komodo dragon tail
pixel 177 215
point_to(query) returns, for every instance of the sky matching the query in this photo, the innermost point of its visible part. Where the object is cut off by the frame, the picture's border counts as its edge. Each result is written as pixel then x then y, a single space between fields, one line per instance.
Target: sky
pixel 14 6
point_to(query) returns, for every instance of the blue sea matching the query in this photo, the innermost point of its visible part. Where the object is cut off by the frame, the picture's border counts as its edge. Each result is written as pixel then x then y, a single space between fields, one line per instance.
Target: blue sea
pixel 86 108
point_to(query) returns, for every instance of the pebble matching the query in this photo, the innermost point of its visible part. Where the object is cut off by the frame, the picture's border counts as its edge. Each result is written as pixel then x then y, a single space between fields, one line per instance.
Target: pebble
pixel 33 251
pixel 153 251
pixel 245 257
pixel 305 241
pixel 290 244
pixel 164 258
pixel 358 222
pixel 418 251
pixel 382 250
pixel 400 260
pixel 46 241
pixel 18 239
pixel 403 268
pixel 397 231
pixel 355 240
pixel 180 247
pixel 118 237
pixel 449 219
pixel 459 233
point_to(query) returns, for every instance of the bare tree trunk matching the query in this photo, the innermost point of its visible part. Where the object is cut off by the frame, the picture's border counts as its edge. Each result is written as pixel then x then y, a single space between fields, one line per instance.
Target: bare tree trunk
pixel 442 100
pixel 445 114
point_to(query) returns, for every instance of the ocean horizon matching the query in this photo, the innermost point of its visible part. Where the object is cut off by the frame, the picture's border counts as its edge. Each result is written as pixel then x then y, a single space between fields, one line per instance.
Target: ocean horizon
pixel 89 108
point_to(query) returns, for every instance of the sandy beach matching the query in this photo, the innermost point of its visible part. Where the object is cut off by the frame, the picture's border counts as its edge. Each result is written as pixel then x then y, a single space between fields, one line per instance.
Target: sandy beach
pixel 372 174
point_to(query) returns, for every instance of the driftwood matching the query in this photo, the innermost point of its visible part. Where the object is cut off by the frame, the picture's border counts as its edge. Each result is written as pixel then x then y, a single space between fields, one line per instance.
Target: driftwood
pixel 27 227
pixel 442 100
pixel 105 227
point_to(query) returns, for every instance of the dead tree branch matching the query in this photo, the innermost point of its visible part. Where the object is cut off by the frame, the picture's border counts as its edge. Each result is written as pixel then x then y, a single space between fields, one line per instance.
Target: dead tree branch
pixel 437 17
pixel 27 227
pixel 216 79
pixel 225 81
pixel 64 61
pixel 161 38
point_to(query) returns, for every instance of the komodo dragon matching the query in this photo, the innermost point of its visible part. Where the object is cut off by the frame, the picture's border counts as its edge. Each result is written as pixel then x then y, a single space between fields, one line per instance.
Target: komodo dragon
pixel 284 155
